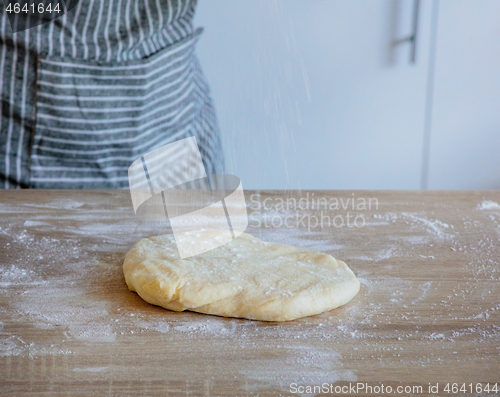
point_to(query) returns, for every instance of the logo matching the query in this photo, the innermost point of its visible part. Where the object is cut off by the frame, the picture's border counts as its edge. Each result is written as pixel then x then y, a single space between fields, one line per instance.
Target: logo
pixel 205 211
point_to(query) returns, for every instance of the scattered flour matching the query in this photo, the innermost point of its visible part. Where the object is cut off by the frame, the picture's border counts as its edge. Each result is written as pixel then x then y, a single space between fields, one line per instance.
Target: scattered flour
pixel 378 256
pixel 209 326
pixel 488 205
pixel 292 237
pixel 315 367
pixel 11 346
pixel 15 275
pixel 35 223
pixel 51 307
pixel 91 369
pixel 415 240
pixel 160 326
pixel 437 228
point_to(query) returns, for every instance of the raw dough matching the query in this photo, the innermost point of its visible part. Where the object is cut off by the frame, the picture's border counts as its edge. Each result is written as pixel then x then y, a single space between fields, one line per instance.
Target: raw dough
pixel 246 278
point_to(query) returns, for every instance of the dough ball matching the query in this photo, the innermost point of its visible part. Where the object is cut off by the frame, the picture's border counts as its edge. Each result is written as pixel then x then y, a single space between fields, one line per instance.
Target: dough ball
pixel 246 278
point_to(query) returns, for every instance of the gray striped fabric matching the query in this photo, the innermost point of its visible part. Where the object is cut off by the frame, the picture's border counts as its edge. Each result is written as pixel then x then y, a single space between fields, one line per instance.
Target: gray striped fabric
pixel 86 94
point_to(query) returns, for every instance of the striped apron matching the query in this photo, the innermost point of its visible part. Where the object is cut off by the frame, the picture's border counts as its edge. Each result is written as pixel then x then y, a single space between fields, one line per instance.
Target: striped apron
pixel 86 94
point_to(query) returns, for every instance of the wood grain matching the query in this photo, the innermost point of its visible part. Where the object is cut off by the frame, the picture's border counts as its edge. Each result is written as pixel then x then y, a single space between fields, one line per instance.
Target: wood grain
pixel 428 309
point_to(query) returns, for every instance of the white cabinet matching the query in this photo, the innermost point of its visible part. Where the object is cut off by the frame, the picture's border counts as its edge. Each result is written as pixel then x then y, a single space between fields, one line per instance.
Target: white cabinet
pixel 312 93
pixel 465 136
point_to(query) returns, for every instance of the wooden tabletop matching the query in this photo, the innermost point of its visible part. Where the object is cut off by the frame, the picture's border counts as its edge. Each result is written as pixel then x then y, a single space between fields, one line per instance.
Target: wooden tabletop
pixel 428 311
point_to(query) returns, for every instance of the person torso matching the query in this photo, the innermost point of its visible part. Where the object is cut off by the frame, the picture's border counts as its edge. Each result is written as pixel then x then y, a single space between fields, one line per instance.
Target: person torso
pixel 87 93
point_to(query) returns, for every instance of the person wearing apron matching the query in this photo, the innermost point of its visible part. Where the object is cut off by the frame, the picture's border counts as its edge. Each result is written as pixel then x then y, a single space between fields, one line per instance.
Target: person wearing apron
pixel 86 94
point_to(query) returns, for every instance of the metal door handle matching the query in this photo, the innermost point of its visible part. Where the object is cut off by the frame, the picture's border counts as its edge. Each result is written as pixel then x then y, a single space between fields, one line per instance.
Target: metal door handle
pixel 412 38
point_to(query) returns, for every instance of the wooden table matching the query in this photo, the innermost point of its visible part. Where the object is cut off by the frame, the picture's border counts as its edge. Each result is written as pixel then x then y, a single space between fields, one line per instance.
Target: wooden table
pixel 428 310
